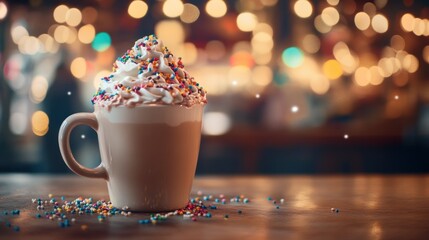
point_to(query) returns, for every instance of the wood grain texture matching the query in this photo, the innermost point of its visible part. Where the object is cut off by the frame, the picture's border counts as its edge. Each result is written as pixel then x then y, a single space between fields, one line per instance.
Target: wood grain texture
pixel 371 207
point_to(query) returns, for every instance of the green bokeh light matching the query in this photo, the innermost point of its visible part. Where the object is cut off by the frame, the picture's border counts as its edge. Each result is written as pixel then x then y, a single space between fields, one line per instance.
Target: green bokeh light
pixel 292 57
pixel 102 41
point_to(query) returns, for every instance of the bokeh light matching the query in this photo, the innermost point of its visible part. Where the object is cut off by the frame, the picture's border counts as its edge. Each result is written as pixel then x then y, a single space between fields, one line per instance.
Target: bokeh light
pixel 216 123
pixel 262 43
pixel 73 17
pixel 410 63
pixel 78 67
pixel 380 23
pixel 72 36
pixel 137 9
pixel 319 85
pixel 18 32
pixel 263 27
pixel 311 43
pixel 269 3
pixel 343 55
pixel 18 123
pixel 189 53
pixel 239 75
pixel 407 22
pixel 262 58
pixel 303 8
pixel 397 42
pixel 86 34
pixel 292 57
pixel 330 16
pixel 190 13
pixel 332 69
pixel 172 8
pixel 320 25
pixel 49 44
pixel 61 34
pixel 171 32
pixel 376 78
pixel 262 75
pixel 333 2
pixel 40 123
pixel 39 88
pixel 246 21
pixel 216 8
pixel 3 10
pixel 241 58
pixel 362 21
pixel 362 76
pixel 101 42
pixel 426 53
pixel 60 13
pixel 29 45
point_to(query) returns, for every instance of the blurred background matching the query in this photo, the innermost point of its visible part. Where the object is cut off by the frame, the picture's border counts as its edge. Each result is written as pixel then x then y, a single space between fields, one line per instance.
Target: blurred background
pixel 294 86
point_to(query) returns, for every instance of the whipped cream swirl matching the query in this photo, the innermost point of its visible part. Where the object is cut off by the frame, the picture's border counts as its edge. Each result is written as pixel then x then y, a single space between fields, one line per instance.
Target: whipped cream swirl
pixel 148 73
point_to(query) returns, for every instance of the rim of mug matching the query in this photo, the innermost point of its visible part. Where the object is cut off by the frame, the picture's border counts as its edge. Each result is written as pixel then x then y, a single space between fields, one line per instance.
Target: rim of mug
pixel 151 105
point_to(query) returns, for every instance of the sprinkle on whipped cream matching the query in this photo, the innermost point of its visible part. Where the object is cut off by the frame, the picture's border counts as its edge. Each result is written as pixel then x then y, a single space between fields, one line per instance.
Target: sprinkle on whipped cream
pixel 149 73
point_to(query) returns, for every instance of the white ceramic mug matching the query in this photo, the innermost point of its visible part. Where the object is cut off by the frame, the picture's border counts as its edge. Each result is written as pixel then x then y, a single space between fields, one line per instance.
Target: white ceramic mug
pixel 148 153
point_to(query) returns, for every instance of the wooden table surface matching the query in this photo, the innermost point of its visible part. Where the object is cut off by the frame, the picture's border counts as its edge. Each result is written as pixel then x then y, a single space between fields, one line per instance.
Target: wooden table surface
pixel 370 207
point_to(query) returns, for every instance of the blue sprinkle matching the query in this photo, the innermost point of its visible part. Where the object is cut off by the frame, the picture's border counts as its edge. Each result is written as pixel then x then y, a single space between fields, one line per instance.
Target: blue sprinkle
pixel 278 207
pixel 213 207
pixel 38 215
pixel 16 229
pixel 61 224
pixel 216 199
pixel 208 215
pixel 5 212
pixel 269 198
pixel 8 224
pixel 144 221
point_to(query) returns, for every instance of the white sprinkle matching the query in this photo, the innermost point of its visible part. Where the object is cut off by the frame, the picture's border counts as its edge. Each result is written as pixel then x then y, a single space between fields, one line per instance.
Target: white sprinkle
pixel 69 93
pixel 234 83
pixel 282 200
pixel 332 209
pixel 396 97
pixel 73 219
pixel 346 136
pixel 294 109
pixel 257 95
pixel 83 136
pixel 199 193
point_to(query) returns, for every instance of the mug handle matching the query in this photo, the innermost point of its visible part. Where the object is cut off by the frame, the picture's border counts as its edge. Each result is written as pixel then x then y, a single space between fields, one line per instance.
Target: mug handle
pixel 64 142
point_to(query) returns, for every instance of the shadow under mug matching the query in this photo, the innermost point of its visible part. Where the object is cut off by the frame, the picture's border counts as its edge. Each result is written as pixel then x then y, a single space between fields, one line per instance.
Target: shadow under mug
pixel 148 153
